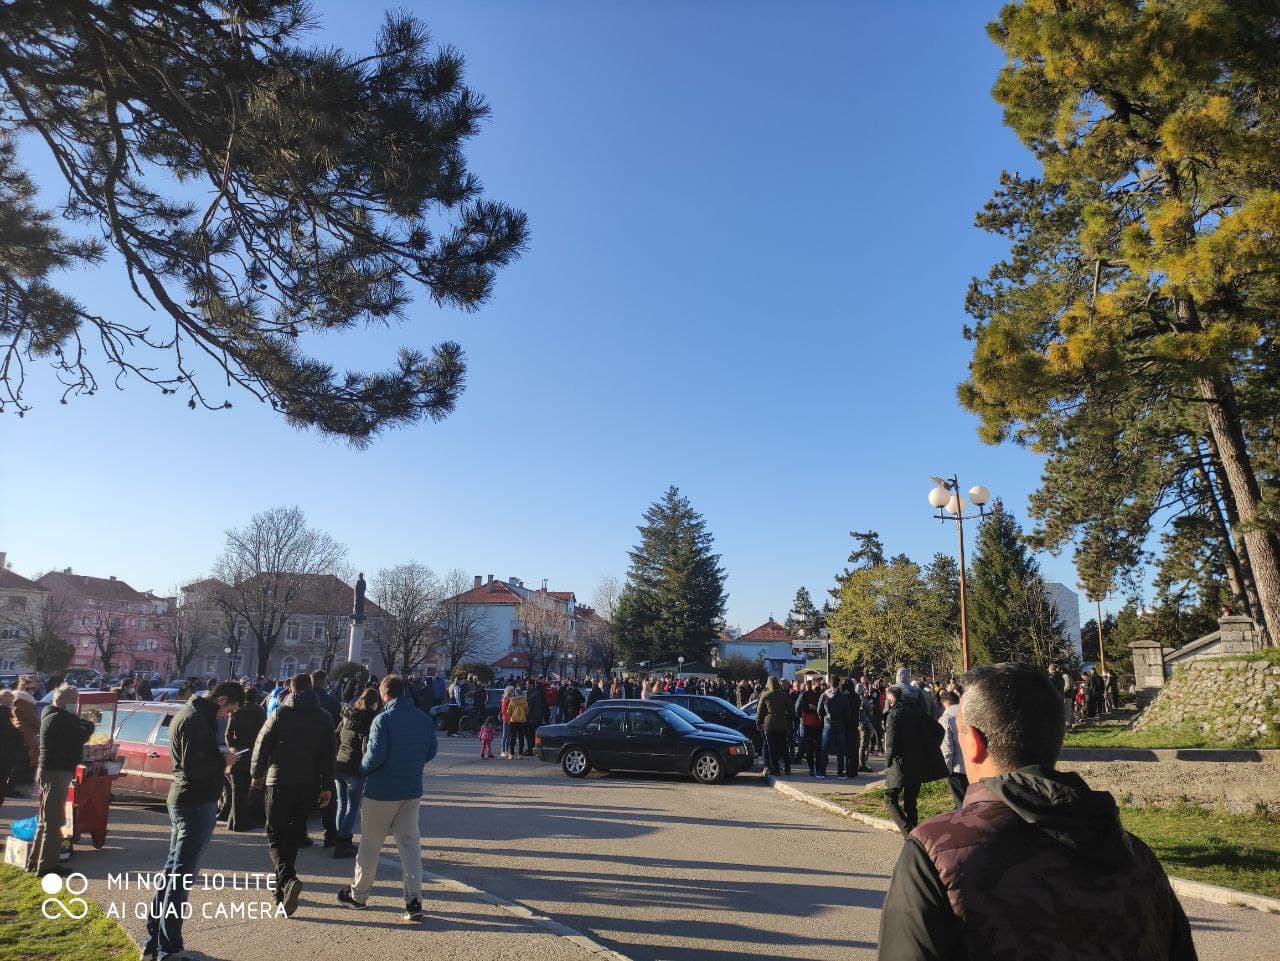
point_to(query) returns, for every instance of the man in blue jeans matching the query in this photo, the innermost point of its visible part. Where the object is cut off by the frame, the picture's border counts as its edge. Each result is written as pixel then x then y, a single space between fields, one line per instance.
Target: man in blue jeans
pixel 198 773
pixel 837 714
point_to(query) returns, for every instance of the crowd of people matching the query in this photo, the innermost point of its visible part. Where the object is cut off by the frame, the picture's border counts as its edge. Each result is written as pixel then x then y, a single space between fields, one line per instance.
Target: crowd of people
pixel 987 878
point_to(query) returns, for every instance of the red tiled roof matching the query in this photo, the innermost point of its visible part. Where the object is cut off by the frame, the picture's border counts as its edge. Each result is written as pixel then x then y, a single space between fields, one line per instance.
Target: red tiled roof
pixel 770 630
pixel 101 589
pixel 562 595
pixel 10 581
pixel 494 592
pixel 583 613
pixel 512 660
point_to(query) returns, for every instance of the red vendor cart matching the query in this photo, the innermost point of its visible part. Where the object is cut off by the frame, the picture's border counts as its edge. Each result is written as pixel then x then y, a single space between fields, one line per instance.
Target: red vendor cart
pixel 89 800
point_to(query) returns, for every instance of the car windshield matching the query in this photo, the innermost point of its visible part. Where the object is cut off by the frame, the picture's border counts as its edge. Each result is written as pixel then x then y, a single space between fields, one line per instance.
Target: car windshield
pixel 684 712
pixel 731 708
pixel 675 721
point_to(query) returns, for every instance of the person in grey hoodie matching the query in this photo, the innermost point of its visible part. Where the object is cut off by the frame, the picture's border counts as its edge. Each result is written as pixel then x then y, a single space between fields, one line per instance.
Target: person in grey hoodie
pixel 956 778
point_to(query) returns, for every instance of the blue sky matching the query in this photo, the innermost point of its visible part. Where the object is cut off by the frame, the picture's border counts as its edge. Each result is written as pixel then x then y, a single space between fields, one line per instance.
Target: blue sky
pixel 751 238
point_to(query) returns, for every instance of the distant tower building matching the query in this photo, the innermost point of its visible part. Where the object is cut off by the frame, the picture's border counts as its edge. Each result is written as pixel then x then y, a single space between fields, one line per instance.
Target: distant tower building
pixel 1068 604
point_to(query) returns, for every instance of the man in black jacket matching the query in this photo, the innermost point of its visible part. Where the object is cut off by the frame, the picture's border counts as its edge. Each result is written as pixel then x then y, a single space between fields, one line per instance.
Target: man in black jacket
pixel 330 704
pixel 293 760
pixel 912 755
pixel 62 740
pixel 198 772
pixel 837 715
pixel 991 879
pixel 242 734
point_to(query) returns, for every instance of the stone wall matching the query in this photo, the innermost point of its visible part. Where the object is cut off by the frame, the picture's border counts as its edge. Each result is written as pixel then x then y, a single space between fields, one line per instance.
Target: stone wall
pixel 1233 702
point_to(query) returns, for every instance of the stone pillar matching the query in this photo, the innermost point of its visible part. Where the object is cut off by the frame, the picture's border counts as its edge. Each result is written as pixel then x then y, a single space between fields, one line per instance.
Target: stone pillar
pixel 1237 635
pixel 1148 669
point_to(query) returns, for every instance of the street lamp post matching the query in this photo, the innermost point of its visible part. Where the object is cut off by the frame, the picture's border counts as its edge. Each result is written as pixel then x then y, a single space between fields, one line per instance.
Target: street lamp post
pixel 680 661
pixel 947 500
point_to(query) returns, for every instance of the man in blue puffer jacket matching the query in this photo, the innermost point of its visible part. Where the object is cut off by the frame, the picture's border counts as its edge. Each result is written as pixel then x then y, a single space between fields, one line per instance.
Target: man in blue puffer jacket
pixel 401 742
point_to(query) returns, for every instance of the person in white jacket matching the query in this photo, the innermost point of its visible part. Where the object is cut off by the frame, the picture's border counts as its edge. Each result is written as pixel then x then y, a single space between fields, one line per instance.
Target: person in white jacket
pixel 956 777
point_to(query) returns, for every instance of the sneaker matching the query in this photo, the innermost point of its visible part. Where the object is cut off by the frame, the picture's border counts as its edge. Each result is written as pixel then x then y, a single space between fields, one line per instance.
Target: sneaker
pixel 821 777
pixel 289 896
pixel 348 900
pixel 412 910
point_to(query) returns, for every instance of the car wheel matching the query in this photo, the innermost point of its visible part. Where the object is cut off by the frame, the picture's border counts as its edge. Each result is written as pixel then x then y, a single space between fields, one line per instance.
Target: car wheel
pixel 708 768
pixel 575 762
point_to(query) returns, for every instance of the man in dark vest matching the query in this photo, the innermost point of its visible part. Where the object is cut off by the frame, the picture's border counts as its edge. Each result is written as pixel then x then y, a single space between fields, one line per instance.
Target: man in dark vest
pixel 1032 851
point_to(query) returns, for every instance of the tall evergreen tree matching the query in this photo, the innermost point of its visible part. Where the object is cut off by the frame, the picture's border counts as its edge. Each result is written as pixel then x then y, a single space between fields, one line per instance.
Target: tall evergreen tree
pixel 259 192
pixel 804 617
pixel 942 577
pixel 1144 262
pixel 674 599
pixel 1001 565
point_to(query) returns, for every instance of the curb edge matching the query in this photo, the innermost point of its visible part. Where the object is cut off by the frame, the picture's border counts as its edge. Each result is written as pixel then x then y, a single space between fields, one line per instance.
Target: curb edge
pixel 1184 888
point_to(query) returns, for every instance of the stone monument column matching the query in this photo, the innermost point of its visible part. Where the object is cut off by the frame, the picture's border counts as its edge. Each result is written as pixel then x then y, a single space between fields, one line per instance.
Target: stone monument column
pixel 357 618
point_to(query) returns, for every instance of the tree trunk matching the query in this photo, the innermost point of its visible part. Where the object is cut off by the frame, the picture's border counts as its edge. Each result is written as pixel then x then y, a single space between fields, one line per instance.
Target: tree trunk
pixel 1224 421
pixel 1231 558
pixel 1233 524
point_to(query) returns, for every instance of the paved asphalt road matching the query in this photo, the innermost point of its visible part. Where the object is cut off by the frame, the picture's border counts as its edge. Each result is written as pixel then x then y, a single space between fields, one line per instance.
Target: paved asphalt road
pixel 661 868
pixel 654 867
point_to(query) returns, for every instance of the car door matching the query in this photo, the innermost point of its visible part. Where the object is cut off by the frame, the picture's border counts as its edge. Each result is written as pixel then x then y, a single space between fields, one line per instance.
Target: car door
pixel 159 762
pixel 133 744
pixel 605 734
pixel 650 744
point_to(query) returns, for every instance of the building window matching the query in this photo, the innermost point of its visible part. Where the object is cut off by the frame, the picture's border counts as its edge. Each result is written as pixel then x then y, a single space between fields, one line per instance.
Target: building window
pixel 9 634
pixel 142 623
pixel 288 666
pixel 291 631
pixel 9 664
pixel 211 664
pixel 317 631
pixel 315 662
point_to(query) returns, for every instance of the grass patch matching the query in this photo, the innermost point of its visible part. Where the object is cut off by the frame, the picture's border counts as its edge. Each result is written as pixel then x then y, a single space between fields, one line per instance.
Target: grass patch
pixel 26 935
pixel 1237 851
pixel 1188 735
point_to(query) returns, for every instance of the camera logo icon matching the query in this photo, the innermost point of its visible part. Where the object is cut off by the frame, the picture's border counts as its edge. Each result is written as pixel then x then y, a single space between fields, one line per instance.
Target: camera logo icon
pixel 64 899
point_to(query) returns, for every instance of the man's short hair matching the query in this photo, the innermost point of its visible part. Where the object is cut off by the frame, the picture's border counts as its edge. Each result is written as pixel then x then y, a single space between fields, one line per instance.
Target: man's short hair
pixel 64 694
pixel 392 687
pixel 1018 710
pixel 949 698
pixel 300 682
pixel 318 678
pixel 231 690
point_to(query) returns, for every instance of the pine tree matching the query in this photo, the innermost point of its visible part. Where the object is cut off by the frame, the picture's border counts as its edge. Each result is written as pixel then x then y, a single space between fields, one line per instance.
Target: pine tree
pixel 1001 566
pixel 1144 262
pixel 804 618
pixel 942 577
pixel 319 192
pixel 674 600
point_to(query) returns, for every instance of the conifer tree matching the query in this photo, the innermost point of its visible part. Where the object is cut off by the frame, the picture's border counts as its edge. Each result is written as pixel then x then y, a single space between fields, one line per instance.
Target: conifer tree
pixel 1000 568
pixel 1145 260
pixel 255 189
pixel 674 599
pixel 803 616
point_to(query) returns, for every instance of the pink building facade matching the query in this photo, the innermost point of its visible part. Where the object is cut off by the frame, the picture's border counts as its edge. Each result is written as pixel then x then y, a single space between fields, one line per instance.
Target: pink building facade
pixel 104 610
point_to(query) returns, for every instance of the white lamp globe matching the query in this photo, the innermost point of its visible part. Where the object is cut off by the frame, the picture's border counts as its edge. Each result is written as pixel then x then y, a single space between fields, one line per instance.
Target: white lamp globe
pixel 979 495
pixel 955 505
pixel 939 496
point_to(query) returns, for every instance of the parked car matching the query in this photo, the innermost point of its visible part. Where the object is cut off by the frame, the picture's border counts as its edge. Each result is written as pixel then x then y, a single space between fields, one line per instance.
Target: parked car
pixel 142 740
pixel 84 677
pixel 632 735
pixel 688 715
pixel 492 706
pixel 716 710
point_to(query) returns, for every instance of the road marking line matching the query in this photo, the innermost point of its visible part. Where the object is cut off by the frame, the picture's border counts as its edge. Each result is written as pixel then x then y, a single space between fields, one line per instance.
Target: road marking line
pixel 551 926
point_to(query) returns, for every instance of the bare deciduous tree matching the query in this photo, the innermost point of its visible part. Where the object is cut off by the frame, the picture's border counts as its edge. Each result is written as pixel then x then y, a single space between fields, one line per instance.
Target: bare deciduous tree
pixel 605 599
pixel 265 569
pixel 189 628
pixel 463 632
pixel 544 631
pixel 43 624
pixel 410 594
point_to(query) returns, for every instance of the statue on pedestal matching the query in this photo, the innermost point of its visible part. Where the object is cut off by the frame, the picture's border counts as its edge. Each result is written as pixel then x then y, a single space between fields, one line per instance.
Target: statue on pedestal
pixel 357 610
